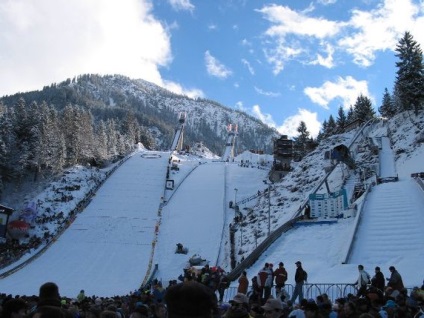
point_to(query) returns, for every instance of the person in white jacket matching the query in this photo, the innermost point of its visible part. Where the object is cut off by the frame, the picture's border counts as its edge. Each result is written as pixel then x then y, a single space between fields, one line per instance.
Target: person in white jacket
pixel 362 282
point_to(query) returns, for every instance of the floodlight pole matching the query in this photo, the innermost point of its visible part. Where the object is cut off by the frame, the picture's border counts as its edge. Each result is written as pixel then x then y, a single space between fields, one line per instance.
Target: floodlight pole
pixel 269 205
pixel 235 201
pixel 269 209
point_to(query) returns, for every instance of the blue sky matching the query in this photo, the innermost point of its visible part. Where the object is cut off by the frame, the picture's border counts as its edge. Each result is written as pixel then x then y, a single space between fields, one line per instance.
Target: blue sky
pixel 281 61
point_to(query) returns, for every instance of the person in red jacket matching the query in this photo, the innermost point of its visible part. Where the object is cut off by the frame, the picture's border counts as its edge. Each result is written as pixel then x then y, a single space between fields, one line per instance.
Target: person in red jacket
pixel 262 280
pixel 280 275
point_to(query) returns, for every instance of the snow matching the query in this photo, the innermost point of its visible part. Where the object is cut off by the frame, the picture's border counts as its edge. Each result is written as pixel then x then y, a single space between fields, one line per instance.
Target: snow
pixel 133 223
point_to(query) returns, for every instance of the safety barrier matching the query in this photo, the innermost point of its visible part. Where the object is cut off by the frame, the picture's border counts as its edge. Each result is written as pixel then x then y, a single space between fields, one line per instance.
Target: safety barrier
pixel 355 227
pixel 310 291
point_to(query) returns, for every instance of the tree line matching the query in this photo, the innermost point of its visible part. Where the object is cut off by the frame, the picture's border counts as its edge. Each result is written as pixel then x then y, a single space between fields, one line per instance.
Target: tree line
pixel 407 95
pixel 37 138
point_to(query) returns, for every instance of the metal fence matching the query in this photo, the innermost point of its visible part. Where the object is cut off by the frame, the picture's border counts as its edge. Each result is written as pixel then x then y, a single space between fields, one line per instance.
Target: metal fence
pixel 334 291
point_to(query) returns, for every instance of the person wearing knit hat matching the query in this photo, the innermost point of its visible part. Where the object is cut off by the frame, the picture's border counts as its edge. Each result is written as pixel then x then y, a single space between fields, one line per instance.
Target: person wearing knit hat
pixel 273 308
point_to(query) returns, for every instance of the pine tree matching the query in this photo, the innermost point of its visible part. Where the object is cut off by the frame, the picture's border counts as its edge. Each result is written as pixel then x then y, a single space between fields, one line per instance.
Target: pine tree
pixel 363 108
pixel 409 82
pixel 387 108
pixel 53 144
pixel 350 114
pixel 341 119
pixel 26 131
pixel 7 145
pixel 331 126
pixel 101 142
pixel 301 141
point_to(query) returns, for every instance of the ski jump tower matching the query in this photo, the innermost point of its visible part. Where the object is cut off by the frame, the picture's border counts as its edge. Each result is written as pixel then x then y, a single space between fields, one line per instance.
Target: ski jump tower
pixel 231 141
pixel 177 143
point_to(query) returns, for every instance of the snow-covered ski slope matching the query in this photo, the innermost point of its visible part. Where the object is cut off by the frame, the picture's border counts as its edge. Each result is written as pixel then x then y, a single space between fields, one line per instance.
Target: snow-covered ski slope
pixel 393 213
pixel 390 231
pixel 386 158
pixel 117 228
pixel 195 218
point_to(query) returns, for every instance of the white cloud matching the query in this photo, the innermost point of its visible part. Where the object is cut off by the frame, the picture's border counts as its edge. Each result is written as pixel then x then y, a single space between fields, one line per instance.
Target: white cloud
pixel 286 21
pixel 325 61
pixel 290 124
pixel 216 68
pixel 265 93
pixel 239 105
pixel 287 27
pixel 249 67
pixel 327 2
pixel 181 5
pixel 379 29
pixel 245 42
pixel 50 40
pixel 346 90
pixel 178 89
pixel 265 118
pixel 296 35
pixel 212 27
pixel 281 54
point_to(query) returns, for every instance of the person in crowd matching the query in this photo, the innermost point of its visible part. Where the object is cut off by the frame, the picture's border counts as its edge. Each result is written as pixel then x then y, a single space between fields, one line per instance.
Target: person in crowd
pixel 268 283
pixel 239 307
pixel 14 308
pixel 362 281
pixel 378 281
pixel 311 310
pixel 141 311
pixel 190 299
pixel 223 284
pixel 262 278
pixel 273 308
pixel 395 280
pixel 280 275
pixel 300 277
pixel 243 283
pixel 349 310
pixel 256 295
pixel 256 311
pixel 49 302
pixel 81 295
pixel 158 292
pixel 159 310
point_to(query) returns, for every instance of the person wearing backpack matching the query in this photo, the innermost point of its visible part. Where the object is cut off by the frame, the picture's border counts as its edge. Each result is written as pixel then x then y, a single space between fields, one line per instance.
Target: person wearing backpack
pixel 362 282
pixel 300 277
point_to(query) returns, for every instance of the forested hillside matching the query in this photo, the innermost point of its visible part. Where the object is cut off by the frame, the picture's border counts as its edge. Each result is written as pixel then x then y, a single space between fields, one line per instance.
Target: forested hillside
pixel 96 119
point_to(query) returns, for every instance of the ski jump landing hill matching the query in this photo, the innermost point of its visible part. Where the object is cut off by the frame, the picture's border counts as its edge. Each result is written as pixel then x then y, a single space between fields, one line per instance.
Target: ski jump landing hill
pixel 110 242
pixel 393 213
pixel 128 228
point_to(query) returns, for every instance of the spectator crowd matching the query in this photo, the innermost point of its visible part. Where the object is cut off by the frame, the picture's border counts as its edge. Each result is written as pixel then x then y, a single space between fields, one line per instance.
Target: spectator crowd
pixel 200 294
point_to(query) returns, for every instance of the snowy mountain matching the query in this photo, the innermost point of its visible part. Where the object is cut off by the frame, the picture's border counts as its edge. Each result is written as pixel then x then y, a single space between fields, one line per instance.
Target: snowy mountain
pixel 194 209
pixel 156 109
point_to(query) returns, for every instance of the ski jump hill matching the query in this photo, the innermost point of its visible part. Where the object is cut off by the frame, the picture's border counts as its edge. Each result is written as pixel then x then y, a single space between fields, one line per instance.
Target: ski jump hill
pixel 393 212
pixel 117 227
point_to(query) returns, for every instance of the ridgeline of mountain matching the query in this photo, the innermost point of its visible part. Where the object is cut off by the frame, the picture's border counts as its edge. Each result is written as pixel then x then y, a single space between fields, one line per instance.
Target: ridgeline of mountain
pixel 156 109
